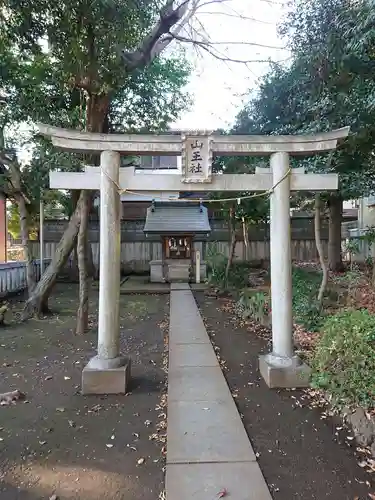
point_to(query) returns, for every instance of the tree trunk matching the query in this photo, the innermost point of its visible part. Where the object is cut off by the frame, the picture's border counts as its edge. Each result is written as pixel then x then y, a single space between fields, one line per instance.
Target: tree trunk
pixel 245 232
pixel 232 248
pixel 30 274
pixel 319 247
pixel 334 238
pixel 91 266
pixel 19 196
pixel 97 110
pixel 83 266
pixel 73 271
pixel 42 290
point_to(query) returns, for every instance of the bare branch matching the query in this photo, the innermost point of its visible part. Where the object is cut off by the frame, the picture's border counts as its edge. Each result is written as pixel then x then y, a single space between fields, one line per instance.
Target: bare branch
pixel 155 42
pixel 172 21
pixel 210 2
pixel 237 16
pixel 272 2
pixel 210 48
pixel 252 44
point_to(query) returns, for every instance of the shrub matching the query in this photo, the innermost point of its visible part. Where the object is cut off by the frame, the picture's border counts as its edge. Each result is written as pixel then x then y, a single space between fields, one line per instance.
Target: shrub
pixel 306 310
pixel 344 359
pixel 253 305
pixel 216 266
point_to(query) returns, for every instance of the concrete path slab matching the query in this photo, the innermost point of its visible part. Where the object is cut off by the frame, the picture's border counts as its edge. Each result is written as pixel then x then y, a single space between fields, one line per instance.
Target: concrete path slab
pixel 191 355
pixel 198 384
pixel 242 481
pixel 207 446
pixel 186 324
pixel 208 431
pixel 180 286
pixel 189 334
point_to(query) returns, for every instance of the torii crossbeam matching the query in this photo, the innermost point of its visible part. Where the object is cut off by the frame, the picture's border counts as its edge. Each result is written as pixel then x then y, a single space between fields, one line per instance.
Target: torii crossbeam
pixel 108 371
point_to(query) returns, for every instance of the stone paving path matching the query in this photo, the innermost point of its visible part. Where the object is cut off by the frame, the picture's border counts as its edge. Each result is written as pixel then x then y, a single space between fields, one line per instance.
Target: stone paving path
pixel 208 450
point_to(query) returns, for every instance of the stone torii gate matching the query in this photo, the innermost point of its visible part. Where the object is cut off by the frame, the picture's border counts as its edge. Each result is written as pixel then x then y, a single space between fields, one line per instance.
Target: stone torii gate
pixel 108 371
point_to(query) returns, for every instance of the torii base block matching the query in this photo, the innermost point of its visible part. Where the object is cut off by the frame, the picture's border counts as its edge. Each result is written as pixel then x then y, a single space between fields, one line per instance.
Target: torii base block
pixel 104 380
pixel 295 374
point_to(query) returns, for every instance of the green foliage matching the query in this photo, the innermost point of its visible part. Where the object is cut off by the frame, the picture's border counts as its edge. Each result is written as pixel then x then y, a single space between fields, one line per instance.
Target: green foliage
pixel 327 83
pixel 150 100
pixel 344 359
pixel 55 58
pixel 216 264
pixel 13 222
pixel 352 246
pixel 250 211
pixel 306 310
pixel 254 305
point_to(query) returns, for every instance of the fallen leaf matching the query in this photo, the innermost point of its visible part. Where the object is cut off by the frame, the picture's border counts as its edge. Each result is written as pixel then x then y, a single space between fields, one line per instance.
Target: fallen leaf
pixel 223 493
pixel 372 496
pixel 67 378
pixel 54 497
pixel 140 461
pixel 109 445
pixel 147 422
pixel 49 377
pixel 61 410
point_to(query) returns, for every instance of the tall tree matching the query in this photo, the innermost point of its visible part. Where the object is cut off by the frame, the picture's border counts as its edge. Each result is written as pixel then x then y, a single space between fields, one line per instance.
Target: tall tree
pixel 73 51
pixel 328 84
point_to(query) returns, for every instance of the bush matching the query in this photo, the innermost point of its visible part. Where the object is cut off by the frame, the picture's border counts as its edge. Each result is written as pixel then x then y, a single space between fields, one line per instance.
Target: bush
pixel 254 305
pixel 306 310
pixel 344 359
pixel 216 266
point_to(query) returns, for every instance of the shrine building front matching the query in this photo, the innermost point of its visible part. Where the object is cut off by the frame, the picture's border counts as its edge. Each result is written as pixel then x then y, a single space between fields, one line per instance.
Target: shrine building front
pixel 179 225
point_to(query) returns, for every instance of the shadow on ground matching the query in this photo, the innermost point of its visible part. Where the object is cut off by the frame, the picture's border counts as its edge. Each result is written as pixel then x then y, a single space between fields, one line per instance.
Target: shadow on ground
pixel 299 453
pixel 81 447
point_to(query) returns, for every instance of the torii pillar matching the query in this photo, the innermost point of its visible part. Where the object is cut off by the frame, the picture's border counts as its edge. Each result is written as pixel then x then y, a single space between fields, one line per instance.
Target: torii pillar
pixel 108 372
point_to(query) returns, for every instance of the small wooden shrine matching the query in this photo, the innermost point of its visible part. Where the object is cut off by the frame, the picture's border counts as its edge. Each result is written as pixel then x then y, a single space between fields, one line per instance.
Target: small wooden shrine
pixel 180 224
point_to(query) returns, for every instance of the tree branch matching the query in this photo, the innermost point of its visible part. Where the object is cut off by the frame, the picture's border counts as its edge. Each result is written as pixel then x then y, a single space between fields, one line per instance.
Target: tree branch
pixel 210 48
pixel 238 16
pixel 155 42
pixel 171 22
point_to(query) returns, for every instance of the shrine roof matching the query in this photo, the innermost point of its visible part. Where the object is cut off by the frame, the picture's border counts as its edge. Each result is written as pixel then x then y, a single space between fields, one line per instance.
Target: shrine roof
pixel 171 217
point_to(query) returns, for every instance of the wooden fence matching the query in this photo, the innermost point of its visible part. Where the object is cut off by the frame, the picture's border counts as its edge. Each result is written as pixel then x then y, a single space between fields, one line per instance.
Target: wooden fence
pixel 13 276
pixel 137 250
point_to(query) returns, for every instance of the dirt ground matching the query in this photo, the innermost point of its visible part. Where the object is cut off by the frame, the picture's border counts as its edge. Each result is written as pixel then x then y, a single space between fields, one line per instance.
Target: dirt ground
pixel 60 444
pixel 302 454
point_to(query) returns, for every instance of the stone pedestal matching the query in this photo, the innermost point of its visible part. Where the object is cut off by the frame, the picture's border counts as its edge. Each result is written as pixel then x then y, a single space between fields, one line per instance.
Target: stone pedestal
pixel 280 373
pixel 156 271
pixel 108 372
pixel 176 270
pixel 99 378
